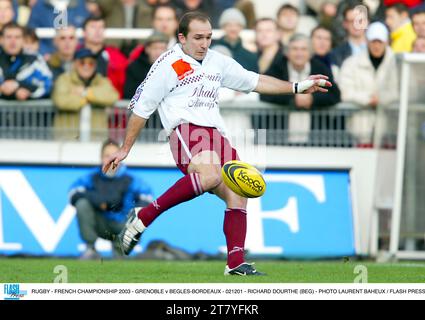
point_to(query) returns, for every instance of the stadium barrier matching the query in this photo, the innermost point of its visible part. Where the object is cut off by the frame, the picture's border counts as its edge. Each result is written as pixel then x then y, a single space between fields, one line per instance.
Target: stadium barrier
pixel 342 126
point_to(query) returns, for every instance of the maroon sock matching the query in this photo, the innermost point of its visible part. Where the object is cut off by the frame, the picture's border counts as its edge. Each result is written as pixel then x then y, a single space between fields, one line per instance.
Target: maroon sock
pixel 185 189
pixel 235 232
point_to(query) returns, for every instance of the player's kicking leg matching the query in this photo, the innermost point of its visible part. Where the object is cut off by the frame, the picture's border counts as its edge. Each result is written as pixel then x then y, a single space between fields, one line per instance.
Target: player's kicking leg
pixel 235 227
pixel 200 179
pixel 129 236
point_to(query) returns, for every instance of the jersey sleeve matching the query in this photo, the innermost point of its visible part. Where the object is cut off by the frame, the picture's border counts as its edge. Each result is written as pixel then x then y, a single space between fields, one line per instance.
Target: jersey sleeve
pixel 157 84
pixel 237 78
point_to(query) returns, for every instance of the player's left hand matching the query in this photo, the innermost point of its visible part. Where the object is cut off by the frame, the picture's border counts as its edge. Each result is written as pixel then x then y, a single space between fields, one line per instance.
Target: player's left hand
pixel 314 83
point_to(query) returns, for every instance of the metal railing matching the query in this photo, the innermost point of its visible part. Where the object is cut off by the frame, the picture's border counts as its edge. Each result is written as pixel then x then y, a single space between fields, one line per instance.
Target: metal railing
pixel 343 126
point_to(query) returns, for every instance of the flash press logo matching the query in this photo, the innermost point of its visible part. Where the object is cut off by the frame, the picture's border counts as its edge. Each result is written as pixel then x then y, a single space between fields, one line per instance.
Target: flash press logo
pixel 13 292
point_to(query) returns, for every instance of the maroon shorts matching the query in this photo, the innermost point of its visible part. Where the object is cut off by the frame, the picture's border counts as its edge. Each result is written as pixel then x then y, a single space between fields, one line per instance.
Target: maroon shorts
pixel 187 140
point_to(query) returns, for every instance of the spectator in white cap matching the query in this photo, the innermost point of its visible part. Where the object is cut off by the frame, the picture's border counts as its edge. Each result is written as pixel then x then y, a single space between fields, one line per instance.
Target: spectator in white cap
pixel 370 78
pixel 232 21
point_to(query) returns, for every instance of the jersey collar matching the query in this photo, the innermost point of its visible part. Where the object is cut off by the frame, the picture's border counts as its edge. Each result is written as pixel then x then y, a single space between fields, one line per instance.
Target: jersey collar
pixel 186 57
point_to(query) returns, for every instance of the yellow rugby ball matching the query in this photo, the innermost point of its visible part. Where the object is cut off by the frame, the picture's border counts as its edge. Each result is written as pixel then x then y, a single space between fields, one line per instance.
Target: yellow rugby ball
pixel 244 179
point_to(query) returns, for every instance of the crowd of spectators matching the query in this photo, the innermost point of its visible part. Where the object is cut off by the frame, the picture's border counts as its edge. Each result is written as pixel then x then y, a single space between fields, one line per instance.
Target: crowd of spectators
pixel 354 42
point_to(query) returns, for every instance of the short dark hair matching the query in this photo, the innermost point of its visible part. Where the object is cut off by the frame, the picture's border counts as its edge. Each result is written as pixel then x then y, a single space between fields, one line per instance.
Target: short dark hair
pixel 258 21
pixel 109 142
pixel 352 7
pixel 188 18
pixel 399 7
pixel 12 25
pixel 92 19
pixel 320 27
pixel 31 34
pixel 287 6
pixel 164 6
pixel 418 11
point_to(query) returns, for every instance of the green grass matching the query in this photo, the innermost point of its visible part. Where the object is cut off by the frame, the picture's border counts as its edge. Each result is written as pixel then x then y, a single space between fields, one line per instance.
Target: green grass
pixel 132 271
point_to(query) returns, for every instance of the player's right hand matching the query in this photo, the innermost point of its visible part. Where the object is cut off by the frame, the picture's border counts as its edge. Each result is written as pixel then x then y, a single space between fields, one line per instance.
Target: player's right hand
pixel 113 160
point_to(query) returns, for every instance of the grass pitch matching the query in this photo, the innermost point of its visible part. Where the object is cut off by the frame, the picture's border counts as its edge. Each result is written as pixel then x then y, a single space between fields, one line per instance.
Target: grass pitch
pixel 140 271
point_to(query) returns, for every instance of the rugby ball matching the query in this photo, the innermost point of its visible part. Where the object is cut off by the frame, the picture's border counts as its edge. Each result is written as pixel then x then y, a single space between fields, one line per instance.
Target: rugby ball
pixel 244 179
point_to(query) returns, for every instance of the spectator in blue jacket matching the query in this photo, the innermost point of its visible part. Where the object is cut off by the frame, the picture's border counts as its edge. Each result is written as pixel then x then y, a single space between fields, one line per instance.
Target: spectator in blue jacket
pixel 22 76
pixel 50 14
pixel 104 200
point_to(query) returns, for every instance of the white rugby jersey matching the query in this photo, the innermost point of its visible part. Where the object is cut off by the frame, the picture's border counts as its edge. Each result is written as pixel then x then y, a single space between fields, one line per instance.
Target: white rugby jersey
pixel 183 90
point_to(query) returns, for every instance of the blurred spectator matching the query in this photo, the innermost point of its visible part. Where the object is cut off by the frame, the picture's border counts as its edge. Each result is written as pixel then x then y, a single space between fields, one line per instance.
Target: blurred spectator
pixel 271 7
pixel 287 19
pixel 7 13
pixel 137 71
pixel 248 10
pixel 326 10
pixel 408 3
pixel 418 21
pixel 291 22
pixel 22 76
pixel 376 9
pixel 66 44
pixel 51 14
pixel 321 40
pixel 355 23
pixel 402 33
pixel 233 22
pixel 81 96
pixel 103 201
pixel 327 7
pixel 299 65
pixel 419 45
pixel 31 42
pixel 164 21
pixel 93 7
pixel 127 14
pixel 23 10
pixel 110 61
pixel 339 34
pixel 206 6
pixel 370 79
pixel 270 51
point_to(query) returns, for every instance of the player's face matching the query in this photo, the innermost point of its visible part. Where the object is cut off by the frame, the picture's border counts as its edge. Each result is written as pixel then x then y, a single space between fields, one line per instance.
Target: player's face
pixel 419 24
pixel 13 41
pixel 198 39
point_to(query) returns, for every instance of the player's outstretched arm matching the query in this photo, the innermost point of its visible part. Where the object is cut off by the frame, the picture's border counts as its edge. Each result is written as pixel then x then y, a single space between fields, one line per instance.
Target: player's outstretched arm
pixel 314 83
pixel 135 125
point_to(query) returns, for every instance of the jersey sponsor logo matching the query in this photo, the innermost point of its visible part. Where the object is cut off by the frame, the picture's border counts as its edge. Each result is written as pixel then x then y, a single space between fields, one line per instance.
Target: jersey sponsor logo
pixel 182 69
